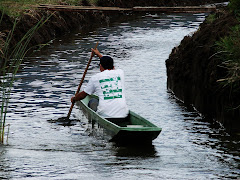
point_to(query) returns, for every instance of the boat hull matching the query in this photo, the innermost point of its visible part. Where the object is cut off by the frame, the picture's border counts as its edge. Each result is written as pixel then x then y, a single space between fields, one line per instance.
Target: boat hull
pixel 135 129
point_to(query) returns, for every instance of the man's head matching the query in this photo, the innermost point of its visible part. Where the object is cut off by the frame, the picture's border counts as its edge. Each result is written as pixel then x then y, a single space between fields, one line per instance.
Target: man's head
pixel 106 62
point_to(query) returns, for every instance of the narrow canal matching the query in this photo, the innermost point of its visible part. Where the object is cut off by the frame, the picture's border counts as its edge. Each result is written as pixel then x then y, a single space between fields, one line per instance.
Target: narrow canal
pixel 41 148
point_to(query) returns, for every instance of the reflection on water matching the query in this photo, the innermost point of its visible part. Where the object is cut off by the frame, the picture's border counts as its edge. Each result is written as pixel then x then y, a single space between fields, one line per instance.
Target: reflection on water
pixel 63 121
pixel 41 146
pixel 136 151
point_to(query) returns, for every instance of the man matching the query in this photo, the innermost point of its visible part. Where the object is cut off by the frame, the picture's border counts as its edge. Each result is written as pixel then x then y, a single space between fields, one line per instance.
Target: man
pixel 108 85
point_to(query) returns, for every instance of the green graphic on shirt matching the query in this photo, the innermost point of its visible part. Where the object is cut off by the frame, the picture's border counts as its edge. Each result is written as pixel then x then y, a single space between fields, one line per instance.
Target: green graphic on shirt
pixel 111 79
pixel 111 88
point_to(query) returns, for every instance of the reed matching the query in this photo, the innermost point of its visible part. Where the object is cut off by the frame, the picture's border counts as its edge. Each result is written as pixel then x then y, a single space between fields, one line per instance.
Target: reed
pixel 10 61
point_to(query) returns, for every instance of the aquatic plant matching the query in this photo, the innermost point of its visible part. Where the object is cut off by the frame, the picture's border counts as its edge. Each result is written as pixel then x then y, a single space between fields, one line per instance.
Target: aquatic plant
pixel 10 61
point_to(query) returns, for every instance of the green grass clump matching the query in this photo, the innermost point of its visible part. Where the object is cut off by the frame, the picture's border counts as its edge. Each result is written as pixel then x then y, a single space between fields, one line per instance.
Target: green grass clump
pixel 229 52
pixel 210 18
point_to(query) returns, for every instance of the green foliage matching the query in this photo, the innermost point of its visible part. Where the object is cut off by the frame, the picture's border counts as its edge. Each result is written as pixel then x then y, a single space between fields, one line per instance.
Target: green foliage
pixel 10 61
pixel 229 51
pixel 234 5
pixel 211 18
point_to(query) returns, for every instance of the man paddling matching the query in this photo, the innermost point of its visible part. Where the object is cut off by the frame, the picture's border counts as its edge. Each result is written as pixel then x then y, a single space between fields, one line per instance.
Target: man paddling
pixel 108 85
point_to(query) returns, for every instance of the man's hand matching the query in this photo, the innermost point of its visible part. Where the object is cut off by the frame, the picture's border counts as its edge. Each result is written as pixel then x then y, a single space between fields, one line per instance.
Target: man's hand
pixel 73 99
pixel 78 97
pixel 95 51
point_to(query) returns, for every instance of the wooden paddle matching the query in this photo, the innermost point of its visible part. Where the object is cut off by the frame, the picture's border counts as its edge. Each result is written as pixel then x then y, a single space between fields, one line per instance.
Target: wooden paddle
pixel 80 84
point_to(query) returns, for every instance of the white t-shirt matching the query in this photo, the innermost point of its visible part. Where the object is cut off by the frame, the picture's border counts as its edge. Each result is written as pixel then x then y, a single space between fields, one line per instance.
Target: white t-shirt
pixel 108 85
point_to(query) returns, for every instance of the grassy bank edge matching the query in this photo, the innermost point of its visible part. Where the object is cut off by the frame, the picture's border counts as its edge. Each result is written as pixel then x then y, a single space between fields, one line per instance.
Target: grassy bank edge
pixel 227 50
pixel 14 8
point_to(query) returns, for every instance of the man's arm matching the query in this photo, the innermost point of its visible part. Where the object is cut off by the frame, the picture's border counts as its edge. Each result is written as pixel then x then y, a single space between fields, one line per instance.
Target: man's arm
pixel 97 53
pixel 79 97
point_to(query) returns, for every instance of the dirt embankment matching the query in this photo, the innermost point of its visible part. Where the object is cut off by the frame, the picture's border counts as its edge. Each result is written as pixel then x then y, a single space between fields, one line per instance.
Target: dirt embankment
pixel 59 23
pixel 193 72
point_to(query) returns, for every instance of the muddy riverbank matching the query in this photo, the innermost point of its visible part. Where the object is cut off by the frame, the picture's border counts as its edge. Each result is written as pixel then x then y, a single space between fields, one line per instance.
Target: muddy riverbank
pixel 193 71
pixel 59 24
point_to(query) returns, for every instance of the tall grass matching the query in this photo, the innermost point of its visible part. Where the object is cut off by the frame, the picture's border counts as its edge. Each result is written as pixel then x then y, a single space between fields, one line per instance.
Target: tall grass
pixel 10 61
pixel 229 48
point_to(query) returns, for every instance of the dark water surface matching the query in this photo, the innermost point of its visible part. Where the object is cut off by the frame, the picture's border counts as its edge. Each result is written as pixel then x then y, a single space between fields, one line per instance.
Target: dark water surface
pixel 42 148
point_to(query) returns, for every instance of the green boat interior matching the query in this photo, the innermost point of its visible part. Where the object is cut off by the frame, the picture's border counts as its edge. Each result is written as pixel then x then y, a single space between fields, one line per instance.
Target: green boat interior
pixel 132 120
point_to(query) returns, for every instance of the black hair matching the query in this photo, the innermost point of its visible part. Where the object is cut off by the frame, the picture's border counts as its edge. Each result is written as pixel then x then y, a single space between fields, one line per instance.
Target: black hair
pixel 106 62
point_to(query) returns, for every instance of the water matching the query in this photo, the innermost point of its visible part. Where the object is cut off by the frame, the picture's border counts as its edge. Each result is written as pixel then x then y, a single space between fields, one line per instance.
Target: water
pixel 42 148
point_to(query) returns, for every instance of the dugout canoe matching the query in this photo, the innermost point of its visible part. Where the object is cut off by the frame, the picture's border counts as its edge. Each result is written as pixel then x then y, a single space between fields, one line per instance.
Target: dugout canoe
pixel 135 129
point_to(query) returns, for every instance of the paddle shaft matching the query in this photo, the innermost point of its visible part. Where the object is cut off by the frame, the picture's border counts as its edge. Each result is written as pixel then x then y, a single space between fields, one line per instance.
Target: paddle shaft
pixel 81 82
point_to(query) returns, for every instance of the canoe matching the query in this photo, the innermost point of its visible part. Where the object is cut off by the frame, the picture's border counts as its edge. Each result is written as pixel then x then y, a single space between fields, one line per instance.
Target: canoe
pixel 135 129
